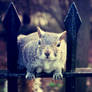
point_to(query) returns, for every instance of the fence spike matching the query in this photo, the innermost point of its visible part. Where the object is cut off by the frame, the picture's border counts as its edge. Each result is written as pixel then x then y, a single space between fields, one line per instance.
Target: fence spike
pixel 11 19
pixel 72 20
pixel 12 23
pixel 72 24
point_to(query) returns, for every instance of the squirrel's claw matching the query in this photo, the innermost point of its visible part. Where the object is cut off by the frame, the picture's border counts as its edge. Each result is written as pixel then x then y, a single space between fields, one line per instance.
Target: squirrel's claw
pixel 58 76
pixel 30 76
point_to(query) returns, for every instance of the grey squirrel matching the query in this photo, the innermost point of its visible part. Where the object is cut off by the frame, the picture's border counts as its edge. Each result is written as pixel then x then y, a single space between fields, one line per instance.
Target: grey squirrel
pixel 42 51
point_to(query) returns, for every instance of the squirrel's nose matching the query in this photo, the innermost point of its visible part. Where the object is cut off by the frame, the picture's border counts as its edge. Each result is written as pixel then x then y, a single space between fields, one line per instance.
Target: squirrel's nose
pixel 47 54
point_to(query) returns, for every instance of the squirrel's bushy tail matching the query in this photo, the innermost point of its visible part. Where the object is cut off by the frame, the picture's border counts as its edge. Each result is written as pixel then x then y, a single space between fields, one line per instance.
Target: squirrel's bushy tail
pixel 37 85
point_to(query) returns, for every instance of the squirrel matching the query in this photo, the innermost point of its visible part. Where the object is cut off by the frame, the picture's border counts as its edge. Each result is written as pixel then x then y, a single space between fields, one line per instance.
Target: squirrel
pixel 42 51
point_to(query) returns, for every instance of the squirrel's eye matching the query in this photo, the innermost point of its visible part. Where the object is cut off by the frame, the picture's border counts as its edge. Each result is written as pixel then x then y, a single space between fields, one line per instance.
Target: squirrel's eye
pixel 58 45
pixel 39 42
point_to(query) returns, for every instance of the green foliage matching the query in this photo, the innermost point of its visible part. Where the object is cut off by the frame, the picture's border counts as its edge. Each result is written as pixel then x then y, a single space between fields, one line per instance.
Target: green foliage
pixel 52 84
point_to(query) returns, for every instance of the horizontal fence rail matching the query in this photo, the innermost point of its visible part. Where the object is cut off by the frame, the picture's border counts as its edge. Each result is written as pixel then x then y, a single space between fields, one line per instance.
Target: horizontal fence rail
pixel 80 72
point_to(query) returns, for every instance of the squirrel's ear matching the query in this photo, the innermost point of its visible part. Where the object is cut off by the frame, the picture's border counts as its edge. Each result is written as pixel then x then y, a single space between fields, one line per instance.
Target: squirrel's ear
pixel 20 39
pixel 40 31
pixel 62 35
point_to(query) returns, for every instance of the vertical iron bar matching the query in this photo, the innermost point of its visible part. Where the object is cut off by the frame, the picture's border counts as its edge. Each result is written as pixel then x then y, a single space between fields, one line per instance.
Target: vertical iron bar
pixel 72 23
pixel 12 23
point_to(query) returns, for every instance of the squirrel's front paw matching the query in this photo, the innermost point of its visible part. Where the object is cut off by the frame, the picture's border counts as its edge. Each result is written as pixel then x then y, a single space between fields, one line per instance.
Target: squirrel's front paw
pixel 30 76
pixel 57 76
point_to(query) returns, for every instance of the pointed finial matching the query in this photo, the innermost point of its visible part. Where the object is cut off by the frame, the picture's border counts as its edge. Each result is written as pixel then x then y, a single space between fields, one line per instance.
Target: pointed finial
pixel 72 21
pixel 11 20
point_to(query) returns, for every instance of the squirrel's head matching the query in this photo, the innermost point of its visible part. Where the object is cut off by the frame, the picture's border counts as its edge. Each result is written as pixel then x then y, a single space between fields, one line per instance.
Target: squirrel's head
pixel 51 45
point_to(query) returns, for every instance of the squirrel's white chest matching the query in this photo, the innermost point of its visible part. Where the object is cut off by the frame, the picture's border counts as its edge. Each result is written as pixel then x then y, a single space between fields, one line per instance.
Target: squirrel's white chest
pixel 49 66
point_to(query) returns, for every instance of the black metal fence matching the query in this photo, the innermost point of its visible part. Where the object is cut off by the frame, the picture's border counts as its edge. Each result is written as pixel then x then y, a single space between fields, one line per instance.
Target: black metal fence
pixel 72 24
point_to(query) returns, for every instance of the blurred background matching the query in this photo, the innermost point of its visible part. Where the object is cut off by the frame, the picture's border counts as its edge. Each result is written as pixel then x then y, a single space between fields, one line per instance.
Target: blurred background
pixel 50 15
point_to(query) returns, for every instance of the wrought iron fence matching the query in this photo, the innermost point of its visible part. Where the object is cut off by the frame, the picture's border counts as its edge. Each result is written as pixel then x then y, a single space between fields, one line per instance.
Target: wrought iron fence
pixel 72 24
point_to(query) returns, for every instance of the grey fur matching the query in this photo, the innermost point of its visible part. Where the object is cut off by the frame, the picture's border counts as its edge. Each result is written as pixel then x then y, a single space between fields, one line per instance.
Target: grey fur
pixel 31 55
